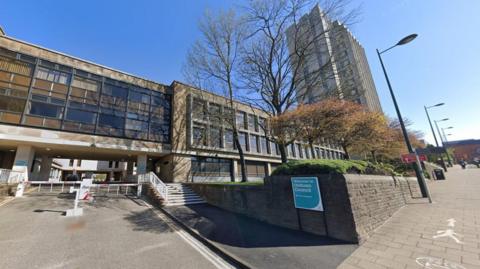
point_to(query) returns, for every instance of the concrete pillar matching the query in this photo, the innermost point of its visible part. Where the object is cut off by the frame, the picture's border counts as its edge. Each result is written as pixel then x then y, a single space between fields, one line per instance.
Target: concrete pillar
pixel 269 169
pixel 111 176
pixel 235 170
pixel 45 168
pixel 129 168
pixel 141 166
pixel 23 161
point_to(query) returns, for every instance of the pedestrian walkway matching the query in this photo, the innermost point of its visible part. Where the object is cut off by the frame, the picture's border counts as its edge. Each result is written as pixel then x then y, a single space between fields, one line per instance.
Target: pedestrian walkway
pixel 442 235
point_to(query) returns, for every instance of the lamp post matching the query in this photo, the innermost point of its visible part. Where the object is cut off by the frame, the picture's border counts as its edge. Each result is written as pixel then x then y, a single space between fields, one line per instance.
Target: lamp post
pixel 434 136
pixel 444 136
pixel 416 165
pixel 438 129
pixel 442 139
pixel 445 142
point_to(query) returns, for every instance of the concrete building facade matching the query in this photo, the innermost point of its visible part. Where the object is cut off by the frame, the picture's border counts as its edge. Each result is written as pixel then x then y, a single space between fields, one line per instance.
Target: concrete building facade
pixel 54 106
pixel 335 64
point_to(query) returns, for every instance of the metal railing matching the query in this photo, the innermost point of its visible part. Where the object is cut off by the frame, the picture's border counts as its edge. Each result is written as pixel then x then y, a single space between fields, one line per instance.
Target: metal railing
pixel 158 184
pixel 9 176
pixel 96 189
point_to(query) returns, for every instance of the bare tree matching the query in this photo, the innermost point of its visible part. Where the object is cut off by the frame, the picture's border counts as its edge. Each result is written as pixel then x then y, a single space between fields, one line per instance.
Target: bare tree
pixel 272 66
pixel 213 62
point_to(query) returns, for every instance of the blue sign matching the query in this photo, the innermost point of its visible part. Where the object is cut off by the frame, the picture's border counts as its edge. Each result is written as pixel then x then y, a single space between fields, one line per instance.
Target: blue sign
pixel 21 163
pixel 306 193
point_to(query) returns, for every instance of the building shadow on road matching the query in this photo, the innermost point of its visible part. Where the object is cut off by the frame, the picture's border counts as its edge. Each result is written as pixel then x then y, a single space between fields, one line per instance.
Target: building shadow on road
pixel 233 229
pixel 147 221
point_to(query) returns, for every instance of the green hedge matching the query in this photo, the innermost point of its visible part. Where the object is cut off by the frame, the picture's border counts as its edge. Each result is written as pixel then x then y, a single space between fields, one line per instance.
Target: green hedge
pixel 309 167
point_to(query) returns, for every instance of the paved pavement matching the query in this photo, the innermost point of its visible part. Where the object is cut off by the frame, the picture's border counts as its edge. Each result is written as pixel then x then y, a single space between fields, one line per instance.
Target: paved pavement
pixel 261 245
pixel 442 235
pixel 114 233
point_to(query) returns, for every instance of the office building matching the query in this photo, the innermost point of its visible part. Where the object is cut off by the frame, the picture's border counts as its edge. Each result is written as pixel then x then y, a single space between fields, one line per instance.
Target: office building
pixel 334 65
pixel 55 106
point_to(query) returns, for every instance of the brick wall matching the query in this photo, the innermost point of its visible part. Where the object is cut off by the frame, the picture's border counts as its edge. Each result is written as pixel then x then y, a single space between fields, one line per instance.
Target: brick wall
pixel 354 204
pixel 374 199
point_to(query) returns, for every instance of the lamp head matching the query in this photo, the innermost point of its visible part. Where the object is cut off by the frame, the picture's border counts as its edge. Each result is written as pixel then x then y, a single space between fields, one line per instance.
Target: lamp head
pixel 441 104
pixel 407 39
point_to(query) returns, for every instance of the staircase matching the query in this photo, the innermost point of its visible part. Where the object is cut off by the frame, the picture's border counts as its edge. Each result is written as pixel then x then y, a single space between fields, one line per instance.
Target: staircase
pixel 180 194
pixel 172 194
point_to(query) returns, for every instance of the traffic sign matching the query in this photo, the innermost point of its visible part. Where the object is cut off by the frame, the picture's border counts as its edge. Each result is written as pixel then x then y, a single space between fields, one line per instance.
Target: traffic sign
pixel 410 158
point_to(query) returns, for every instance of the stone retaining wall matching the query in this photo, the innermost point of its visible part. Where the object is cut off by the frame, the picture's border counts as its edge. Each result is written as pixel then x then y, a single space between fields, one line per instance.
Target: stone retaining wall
pixel 354 204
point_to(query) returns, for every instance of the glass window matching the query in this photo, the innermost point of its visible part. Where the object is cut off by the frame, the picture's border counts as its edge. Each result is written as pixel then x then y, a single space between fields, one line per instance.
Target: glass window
pixel 159 132
pixel 112 121
pixel 215 114
pixel 202 166
pixel 215 137
pixel 115 91
pixel 228 116
pixel 199 109
pixel 300 151
pixel 136 125
pixel 52 75
pixel 240 119
pixel 139 97
pixel 262 125
pixel 252 126
pixel 307 153
pixel 199 135
pixel 229 139
pixel 81 116
pixel 293 150
pixel 242 138
pixel 254 145
pixel 264 145
pixel 46 110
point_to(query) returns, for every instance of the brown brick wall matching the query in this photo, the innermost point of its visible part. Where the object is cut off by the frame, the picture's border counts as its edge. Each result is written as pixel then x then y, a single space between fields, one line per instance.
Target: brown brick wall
pixel 354 205
pixel 375 199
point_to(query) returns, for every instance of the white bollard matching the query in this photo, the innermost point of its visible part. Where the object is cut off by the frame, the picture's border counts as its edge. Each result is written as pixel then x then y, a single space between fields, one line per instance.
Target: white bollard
pixel 20 189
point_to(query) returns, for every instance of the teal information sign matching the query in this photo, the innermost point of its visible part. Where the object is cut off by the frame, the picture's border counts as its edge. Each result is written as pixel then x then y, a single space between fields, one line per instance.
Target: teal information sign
pixel 306 193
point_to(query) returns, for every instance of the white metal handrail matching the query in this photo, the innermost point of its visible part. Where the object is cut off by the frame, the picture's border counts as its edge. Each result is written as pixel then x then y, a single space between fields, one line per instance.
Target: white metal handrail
pixel 107 187
pixel 159 185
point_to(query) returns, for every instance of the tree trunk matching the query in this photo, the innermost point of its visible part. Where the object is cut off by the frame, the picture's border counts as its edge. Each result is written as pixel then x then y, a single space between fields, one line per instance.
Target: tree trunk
pixel 283 152
pixel 374 156
pixel 347 155
pixel 242 156
pixel 313 150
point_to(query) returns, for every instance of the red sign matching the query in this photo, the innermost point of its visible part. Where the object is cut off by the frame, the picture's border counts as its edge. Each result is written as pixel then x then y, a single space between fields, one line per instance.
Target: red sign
pixel 410 158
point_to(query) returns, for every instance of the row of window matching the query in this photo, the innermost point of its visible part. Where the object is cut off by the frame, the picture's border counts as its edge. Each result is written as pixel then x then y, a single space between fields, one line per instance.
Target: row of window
pixel 218 138
pixel 80 102
pixel 217 167
pixel 218 115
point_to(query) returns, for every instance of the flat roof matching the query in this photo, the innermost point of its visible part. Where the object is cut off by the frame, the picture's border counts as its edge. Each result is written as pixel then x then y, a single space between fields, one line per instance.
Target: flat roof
pixel 78 59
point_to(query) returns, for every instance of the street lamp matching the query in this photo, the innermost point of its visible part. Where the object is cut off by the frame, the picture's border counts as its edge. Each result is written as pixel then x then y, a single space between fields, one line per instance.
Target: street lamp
pixel 443 132
pixel 442 139
pixel 438 129
pixel 416 166
pixel 434 136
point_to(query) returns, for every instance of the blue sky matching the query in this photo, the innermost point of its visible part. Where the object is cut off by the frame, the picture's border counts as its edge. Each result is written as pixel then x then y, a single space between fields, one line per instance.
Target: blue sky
pixel 150 39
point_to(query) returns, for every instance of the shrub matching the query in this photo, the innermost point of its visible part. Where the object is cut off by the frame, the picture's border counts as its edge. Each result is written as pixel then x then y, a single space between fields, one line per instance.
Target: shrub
pixel 306 167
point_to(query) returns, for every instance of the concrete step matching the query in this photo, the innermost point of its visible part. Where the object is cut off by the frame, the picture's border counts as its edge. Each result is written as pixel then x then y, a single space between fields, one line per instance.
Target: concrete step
pixel 190 203
pixel 179 194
